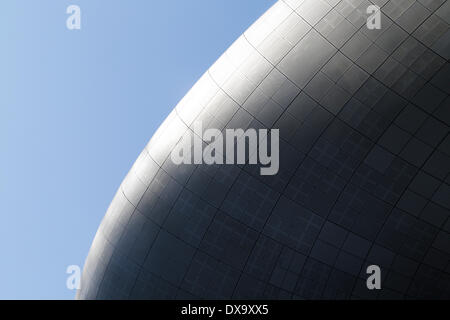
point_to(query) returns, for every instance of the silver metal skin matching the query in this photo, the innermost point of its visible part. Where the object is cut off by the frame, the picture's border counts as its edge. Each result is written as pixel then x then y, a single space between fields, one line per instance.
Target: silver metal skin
pixel 364 176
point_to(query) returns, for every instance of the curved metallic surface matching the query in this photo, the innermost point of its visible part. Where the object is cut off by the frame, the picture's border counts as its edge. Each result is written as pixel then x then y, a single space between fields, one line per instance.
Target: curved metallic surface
pixel 364 178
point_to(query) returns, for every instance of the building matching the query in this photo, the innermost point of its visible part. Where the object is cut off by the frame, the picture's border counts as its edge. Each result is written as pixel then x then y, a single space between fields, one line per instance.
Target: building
pixel 364 177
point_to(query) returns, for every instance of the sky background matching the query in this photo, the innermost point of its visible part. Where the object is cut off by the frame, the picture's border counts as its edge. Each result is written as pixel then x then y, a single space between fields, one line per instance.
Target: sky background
pixel 76 109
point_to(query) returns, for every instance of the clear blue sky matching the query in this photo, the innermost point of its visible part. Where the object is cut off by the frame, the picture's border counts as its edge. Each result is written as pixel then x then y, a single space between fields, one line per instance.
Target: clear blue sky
pixel 76 109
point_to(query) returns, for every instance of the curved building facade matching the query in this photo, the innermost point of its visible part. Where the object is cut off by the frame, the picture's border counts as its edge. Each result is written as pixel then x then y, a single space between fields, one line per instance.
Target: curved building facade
pixel 364 175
